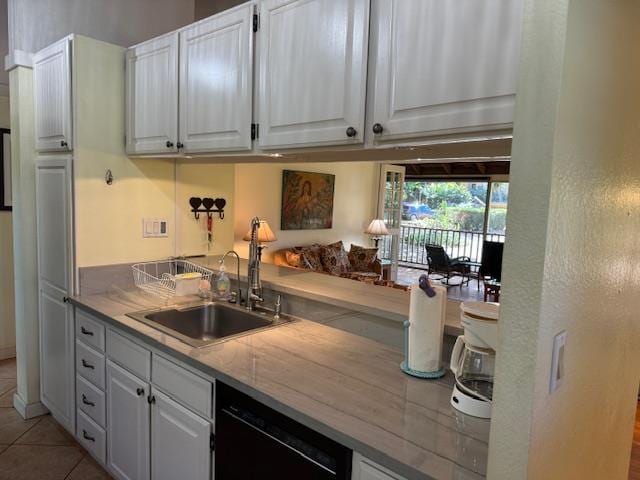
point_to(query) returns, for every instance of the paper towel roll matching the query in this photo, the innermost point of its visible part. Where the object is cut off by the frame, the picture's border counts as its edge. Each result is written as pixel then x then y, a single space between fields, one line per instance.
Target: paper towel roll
pixel 426 327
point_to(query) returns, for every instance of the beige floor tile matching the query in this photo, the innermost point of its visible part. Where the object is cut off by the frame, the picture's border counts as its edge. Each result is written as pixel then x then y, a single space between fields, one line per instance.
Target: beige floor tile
pixel 12 426
pixel 46 432
pixel 8 368
pixel 31 462
pixel 88 469
pixel 7 384
pixel 6 399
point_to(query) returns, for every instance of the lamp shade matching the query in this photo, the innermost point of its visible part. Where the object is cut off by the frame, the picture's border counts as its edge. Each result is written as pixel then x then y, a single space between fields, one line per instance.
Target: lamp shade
pixel 265 234
pixel 377 227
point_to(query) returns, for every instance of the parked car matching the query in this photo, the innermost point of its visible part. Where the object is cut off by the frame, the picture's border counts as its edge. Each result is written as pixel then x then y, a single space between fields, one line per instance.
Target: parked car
pixel 414 211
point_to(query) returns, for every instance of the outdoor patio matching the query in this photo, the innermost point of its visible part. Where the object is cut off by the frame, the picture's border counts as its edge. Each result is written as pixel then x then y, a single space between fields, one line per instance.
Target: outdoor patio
pixel 409 276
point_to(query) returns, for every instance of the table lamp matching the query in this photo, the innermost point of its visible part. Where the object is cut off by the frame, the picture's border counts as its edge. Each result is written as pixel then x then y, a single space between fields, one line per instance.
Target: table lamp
pixel 265 235
pixel 377 229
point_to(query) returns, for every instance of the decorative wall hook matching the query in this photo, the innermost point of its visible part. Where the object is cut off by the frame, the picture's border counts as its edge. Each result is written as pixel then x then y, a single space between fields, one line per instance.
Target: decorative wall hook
pixel 207 205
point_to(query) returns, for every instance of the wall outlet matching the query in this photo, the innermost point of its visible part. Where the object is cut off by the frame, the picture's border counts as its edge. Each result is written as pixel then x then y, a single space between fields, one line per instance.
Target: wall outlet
pixel 154 228
pixel 557 361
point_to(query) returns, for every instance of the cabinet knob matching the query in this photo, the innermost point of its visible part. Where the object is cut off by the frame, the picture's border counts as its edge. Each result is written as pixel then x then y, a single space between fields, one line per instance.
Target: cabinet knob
pixel 151 399
pixel 169 144
pixel 351 132
pixel 63 143
pixel 377 128
pixel 140 391
pixel 180 145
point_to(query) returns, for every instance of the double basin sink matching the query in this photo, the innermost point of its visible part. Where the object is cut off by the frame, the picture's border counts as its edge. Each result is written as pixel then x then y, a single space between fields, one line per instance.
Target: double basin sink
pixel 204 324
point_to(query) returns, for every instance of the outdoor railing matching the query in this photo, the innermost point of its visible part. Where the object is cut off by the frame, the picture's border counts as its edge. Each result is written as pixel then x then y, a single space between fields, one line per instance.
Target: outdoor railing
pixel 457 243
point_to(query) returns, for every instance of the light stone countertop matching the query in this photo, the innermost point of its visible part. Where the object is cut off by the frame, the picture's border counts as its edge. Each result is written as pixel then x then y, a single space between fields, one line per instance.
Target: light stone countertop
pixel 386 302
pixel 344 386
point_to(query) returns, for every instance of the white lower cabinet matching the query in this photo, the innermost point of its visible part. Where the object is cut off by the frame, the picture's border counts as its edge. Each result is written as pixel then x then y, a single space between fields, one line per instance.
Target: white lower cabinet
pixel 365 469
pixel 128 424
pixel 180 441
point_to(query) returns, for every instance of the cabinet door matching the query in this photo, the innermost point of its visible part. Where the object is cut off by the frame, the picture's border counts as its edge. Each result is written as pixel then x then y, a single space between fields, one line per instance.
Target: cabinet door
pixel 365 469
pixel 439 66
pixel 180 447
pixel 128 424
pixel 52 97
pixel 54 246
pixel 152 96
pixel 312 72
pixel 216 75
pixel 54 223
pixel 56 356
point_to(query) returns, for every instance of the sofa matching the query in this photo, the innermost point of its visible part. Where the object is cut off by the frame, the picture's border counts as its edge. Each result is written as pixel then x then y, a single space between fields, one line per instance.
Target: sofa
pixel 359 263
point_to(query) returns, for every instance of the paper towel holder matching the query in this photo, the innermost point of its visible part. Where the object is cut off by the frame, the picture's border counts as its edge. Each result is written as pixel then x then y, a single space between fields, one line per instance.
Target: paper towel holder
pixel 425 286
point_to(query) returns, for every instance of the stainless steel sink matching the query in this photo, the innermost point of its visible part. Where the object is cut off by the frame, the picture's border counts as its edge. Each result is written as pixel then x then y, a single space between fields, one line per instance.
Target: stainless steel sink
pixel 204 324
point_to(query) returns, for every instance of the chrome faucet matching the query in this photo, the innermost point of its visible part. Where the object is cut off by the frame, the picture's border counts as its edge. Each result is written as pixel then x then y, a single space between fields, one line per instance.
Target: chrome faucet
pixel 254 286
pixel 238 292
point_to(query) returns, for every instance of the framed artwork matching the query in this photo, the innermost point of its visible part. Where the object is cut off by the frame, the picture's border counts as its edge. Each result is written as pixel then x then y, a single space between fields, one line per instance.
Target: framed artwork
pixel 307 200
pixel 5 169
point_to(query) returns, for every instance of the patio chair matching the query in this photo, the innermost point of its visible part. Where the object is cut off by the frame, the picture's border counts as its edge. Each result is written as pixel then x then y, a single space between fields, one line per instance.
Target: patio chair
pixel 491 262
pixel 441 264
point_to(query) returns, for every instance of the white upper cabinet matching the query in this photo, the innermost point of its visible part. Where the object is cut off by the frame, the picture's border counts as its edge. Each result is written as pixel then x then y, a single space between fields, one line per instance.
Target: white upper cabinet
pixel 442 66
pixel 216 82
pixel 152 96
pixel 52 97
pixel 312 62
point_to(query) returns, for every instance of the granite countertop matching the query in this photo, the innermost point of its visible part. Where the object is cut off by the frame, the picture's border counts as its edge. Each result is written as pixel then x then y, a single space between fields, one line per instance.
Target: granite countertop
pixel 386 302
pixel 345 386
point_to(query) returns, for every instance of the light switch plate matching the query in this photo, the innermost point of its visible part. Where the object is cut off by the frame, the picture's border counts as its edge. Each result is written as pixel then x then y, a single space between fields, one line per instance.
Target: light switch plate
pixel 557 361
pixel 154 228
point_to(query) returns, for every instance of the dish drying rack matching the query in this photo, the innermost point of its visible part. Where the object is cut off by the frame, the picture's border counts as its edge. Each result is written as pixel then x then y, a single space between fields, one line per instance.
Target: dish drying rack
pixel 159 278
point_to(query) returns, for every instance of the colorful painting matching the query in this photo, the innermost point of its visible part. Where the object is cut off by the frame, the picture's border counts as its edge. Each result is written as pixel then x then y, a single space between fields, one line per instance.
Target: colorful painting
pixel 307 200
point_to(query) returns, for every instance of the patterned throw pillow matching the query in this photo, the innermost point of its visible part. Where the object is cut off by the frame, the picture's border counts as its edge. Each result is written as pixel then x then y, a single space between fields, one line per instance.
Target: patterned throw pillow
pixel 334 258
pixel 311 258
pixel 362 258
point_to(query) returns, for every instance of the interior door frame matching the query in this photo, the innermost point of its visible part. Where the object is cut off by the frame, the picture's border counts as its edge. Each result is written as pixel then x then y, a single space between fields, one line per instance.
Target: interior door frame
pixel 393 232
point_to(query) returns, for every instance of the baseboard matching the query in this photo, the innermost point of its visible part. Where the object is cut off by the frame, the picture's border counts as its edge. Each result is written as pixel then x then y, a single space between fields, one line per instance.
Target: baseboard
pixel 7 352
pixel 28 410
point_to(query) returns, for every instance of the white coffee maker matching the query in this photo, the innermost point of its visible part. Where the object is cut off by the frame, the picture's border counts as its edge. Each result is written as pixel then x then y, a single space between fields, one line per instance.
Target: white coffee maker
pixel 473 359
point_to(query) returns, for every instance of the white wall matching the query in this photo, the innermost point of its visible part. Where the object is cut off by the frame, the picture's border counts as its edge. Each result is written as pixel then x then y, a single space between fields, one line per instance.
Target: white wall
pixel 258 192
pixel 34 24
pixel 203 180
pixel 572 257
pixel 4 47
pixel 7 308
pixel 109 217
pixel 205 8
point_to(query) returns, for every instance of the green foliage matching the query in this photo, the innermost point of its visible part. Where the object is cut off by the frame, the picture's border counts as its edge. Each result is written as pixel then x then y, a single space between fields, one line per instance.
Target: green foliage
pixel 434 194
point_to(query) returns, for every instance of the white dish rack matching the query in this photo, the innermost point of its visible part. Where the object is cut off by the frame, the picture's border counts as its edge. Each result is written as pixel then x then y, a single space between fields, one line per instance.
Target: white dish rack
pixel 159 278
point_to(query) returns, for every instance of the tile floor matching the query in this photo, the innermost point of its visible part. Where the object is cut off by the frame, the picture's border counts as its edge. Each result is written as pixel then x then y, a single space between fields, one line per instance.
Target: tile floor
pixel 38 449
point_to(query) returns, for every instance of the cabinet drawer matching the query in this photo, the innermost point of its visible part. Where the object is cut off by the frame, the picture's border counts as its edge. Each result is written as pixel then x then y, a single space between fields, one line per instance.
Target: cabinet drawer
pixel 184 386
pixel 90 364
pixel 129 355
pixel 91 400
pixel 90 331
pixel 91 437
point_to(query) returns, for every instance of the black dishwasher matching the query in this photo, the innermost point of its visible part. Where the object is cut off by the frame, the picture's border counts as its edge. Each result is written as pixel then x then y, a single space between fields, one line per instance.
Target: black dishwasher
pixel 253 441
